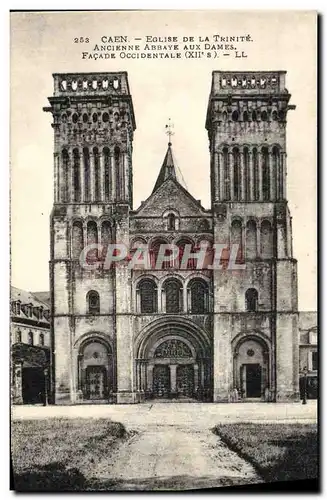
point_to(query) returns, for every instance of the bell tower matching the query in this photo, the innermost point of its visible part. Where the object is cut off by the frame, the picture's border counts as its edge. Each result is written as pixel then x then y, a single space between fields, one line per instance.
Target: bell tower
pixel 246 123
pixel 93 123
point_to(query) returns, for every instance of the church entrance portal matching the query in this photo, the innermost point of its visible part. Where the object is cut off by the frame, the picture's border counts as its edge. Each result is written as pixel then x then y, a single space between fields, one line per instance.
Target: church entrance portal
pixel 96 382
pixel 95 370
pixel 252 382
pixel 173 368
pixel 161 381
pixel 185 381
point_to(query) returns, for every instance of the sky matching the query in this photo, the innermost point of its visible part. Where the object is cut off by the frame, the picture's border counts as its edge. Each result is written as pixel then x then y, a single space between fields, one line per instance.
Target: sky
pixel 43 43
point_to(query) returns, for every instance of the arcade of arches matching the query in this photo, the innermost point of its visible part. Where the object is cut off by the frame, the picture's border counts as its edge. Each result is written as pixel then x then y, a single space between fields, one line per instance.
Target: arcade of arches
pixel 173 363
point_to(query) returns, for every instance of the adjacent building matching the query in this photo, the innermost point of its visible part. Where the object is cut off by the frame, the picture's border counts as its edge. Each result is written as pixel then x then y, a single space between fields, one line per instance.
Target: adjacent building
pixel 30 346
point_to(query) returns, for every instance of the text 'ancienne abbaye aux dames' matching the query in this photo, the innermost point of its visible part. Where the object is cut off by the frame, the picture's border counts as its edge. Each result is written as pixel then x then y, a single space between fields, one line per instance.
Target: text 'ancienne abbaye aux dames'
pixel 127 334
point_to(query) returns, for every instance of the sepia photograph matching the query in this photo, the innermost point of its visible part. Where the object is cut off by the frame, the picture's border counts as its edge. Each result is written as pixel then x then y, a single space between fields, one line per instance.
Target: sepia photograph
pixel 163 293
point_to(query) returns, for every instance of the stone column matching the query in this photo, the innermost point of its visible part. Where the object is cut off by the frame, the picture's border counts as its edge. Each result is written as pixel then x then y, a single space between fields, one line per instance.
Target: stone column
pixel 82 174
pixel 138 374
pixel 283 169
pixel 260 174
pixel 173 369
pixel 143 375
pixel 161 299
pixel 196 378
pixel 221 175
pixel 251 167
pixel 112 169
pixel 125 184
pixel 231 175
pixel 272 177
pixel 216 175
pixel 258 249
pixel 71 195
pixel 242 162
pixel 56 177
pixel 102 177
pixel 138 301
pixel 150 377
pixel 92 177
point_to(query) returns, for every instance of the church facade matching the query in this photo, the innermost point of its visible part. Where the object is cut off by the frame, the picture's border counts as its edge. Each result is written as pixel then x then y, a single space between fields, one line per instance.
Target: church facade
pixel 209 330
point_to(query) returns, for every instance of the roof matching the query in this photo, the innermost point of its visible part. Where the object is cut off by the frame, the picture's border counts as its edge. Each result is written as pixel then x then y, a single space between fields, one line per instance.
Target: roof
pixel 43 297
pixel 37 299
pixel 167 170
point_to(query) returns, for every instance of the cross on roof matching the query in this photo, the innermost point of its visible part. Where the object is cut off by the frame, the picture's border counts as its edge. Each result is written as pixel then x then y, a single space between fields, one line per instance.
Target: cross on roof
pixel 169 131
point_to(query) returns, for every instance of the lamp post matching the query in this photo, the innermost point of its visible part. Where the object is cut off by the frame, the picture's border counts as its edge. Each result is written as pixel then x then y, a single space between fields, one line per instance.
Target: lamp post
pixel 45 402
pixel 305 380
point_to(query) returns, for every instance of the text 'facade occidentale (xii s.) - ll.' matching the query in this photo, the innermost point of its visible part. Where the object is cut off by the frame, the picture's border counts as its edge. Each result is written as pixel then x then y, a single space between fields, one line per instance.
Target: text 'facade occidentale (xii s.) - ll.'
pixel 127 333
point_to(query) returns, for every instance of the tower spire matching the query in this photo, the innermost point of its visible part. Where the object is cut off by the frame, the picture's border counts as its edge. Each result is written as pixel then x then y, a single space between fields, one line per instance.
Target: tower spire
pixel 169 131
pixel 168 167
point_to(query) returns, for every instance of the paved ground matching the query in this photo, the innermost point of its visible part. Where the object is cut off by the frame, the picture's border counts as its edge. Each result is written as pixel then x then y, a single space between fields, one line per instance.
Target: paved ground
pixel 174 458
pixel 194 415
pixel 171 445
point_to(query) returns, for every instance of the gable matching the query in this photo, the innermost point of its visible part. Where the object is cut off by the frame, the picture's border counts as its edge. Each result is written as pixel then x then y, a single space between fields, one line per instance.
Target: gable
pixel 170 195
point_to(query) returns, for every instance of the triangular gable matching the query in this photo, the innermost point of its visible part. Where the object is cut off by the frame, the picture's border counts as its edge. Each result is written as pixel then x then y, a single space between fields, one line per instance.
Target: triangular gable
pixel 171 194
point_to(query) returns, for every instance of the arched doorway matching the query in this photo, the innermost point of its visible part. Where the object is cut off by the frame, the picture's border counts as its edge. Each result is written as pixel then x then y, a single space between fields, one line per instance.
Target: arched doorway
pixel 95 370
pixel 174 362
pixel 251 368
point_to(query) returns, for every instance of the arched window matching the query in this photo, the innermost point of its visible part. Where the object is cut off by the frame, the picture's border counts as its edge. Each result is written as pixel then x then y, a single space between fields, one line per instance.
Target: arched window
pixel 251 240
pixel 77 237
pixel 119 177
pixel 30 338
pixel 65 168
pixel 255 174
pixel 107 181
pixel 251 299
pixel 105 237
pixel 174 296
pixel 76 176
pixel 245 116
pixel 236 167
pixel 224 116
pixel 105 117
pixel 85 118
pixel 86 162
pixel 147 291
pixel 235 116
pixel 266 240
pixel 18 336
pixel 93 302
pixel 154 252
pixel 199 296
pixel 254 116
pixel 41 339
pixel 92 238
pixel 247 173
pixel 96 174
pixel 277 172
pixel 226 174
pixel 236 238
pixel 191 263
pixel 265 174
pixel 171 226
pixel 264 116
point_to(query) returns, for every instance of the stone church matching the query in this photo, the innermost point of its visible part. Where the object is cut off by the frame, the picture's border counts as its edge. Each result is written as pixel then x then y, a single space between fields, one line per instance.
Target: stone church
pixel 128 334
